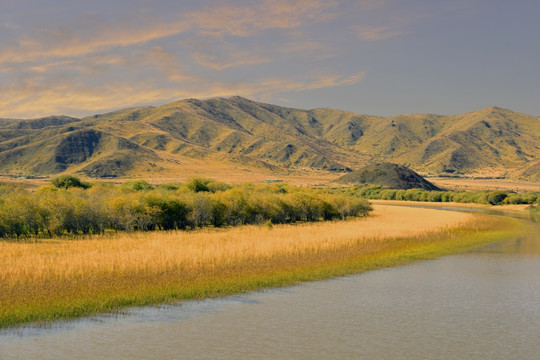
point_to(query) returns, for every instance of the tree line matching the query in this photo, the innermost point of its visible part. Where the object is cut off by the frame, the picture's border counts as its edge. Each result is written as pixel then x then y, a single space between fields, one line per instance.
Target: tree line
pixel 70 206
pixel 495 197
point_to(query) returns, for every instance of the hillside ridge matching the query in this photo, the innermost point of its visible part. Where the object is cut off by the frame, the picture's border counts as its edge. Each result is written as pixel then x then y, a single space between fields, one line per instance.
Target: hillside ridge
pixel 235 130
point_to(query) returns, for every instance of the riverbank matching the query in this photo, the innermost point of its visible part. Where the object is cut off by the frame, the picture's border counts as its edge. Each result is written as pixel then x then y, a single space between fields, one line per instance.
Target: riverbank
pixel 61 279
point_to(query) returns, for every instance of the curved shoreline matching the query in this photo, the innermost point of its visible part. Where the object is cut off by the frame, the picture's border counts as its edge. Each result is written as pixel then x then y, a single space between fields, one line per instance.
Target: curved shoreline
pixel 98 292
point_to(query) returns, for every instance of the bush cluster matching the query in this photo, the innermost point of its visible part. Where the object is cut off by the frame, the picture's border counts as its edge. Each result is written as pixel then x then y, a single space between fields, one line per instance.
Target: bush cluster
pixel 138 206
pixel 496 197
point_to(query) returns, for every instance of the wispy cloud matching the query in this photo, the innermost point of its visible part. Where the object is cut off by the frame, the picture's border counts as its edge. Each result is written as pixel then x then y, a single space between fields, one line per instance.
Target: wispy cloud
pixel 89 65
pixel 306 48
pixel 270 14
pixel 71 41
pixel 166 62
pixel 64 43
pixel 376 33
pixel 28 101
pixel 316 82
pixel 100 63
pixel 219 54
pixel 35 99
pixel 220 62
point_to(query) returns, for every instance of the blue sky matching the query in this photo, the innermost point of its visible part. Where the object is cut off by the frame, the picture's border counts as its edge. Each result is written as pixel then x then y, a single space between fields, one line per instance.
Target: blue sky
pixel 382 57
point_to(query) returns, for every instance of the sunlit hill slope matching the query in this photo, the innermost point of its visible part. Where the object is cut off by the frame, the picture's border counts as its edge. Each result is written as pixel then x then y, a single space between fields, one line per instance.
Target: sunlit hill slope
pixel 232 131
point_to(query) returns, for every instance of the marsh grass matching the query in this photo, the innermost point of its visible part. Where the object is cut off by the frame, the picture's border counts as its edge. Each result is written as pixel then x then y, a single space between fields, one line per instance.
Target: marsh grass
pixel 58 279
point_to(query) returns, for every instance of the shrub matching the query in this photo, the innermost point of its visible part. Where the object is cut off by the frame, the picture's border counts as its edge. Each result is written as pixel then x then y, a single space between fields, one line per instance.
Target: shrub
pixel 528 198
pixel 170 186
pixel 198 185
pixel 136 206
pixel 136 185
pixel 69 181
pixel 435 196
pixel 206 185
pixel 496 197
pixel 388 195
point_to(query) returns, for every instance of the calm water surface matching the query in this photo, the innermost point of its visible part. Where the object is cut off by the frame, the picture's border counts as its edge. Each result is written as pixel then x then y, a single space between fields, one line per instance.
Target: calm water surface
pixel 481 305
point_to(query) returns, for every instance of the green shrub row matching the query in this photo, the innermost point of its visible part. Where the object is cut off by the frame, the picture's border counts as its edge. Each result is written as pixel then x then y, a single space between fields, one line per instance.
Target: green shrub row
pixel 138 206
pixel 496 197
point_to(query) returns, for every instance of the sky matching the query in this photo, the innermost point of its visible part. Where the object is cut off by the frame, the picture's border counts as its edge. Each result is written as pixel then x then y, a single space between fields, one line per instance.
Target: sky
pixel 378 57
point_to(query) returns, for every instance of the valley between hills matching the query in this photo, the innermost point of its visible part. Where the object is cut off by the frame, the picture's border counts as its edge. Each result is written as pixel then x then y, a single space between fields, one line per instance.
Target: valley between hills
pixel 235 139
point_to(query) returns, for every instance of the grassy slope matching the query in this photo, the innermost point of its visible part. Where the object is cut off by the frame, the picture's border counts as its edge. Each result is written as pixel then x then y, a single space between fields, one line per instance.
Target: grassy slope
pixel 264 136
pixel 43 295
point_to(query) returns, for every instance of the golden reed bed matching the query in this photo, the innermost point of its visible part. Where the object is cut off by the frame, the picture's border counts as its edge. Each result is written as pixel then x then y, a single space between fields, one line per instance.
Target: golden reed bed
pixel 63 278
pixel 154 251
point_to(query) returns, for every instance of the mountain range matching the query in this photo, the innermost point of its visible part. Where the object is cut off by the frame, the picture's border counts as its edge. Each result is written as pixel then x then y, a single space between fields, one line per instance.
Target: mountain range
pixel 232 131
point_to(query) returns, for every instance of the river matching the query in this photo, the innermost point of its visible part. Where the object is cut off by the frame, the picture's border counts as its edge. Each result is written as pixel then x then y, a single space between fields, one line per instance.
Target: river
pixel 484 304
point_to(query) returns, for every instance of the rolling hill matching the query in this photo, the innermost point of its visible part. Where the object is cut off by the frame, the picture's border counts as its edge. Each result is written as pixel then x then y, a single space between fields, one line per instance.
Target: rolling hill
pixel 389 175
pixel 239 132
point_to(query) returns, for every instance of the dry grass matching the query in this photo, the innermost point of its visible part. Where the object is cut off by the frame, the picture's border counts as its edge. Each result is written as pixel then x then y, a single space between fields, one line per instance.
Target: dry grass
pixel 238 174
pixel 62 278
pixel 155 251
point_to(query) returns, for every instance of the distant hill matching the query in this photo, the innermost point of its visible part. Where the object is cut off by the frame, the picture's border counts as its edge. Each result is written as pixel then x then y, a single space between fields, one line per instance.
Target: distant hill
pixel 389 175
pixel 237 131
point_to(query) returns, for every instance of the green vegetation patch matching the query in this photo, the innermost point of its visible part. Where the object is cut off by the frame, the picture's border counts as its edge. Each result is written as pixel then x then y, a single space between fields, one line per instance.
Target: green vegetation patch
pixel 496 197
pixel 69 181
pixel 73 207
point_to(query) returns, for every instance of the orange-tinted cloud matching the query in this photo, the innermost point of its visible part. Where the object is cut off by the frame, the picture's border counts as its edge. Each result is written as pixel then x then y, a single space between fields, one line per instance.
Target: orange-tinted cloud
pixel 221 62
pixel 377 33
pixel 306 48
pixel 218 54
pixel 30 100
pixel 317 82
pixel 47 43
pixel 100 66
pixel 66 44
pixel 270 14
